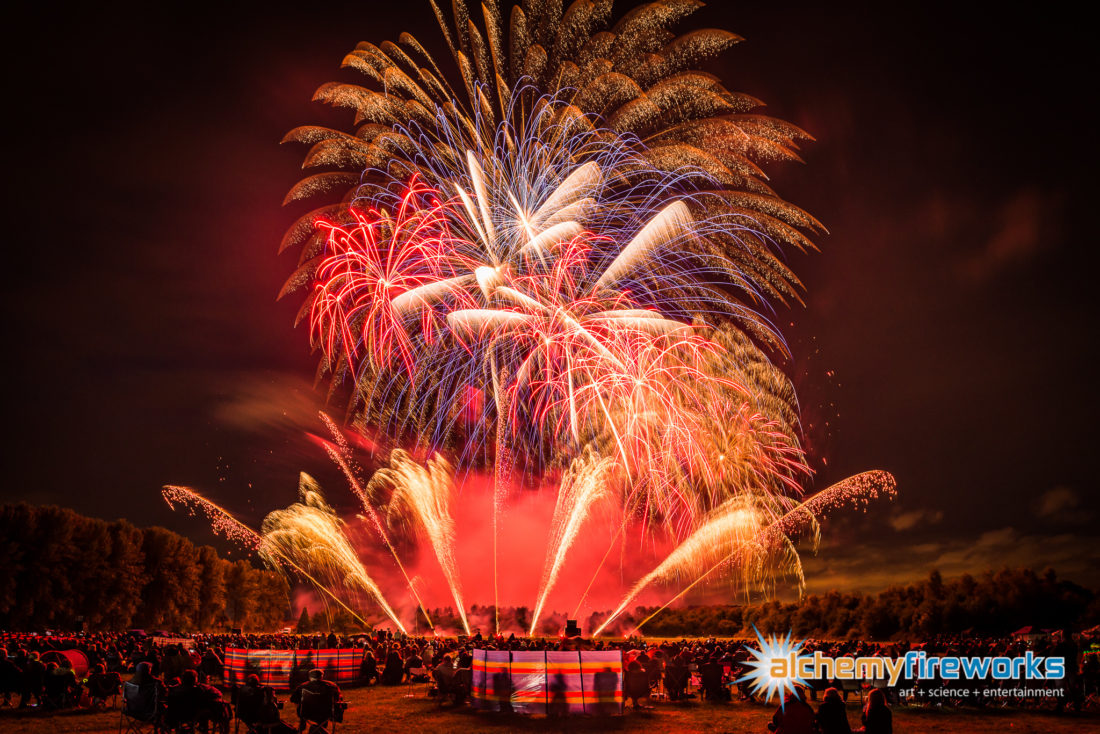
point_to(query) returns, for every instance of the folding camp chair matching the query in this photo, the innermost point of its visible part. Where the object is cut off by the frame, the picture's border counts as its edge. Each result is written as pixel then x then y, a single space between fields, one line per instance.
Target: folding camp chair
pixel 318 710
pixel 413 673
pixel 140 709
pixel 850 685
pixel 246 708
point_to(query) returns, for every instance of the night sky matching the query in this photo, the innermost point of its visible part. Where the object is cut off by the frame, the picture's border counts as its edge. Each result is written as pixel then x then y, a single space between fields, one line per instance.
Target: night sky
pixel 949 320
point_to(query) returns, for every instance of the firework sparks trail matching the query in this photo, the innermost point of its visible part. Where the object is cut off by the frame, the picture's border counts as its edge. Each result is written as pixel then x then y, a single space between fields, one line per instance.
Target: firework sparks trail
pixel 342 458
pixel 587 482
pixel 725 536
pixel 425 492
pixel 230 527
pixel 858 489
pixel 311 531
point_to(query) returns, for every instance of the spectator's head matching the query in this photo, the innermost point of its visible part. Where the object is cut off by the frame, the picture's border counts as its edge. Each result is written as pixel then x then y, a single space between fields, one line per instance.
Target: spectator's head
pixel 832 695
pixel 188 678
pixel 315 674
pixel 99 668
pixel 876 699
pixel 252 680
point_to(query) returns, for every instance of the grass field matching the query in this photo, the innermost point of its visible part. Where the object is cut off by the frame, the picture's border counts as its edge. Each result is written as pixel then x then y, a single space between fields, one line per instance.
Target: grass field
pixel 387 710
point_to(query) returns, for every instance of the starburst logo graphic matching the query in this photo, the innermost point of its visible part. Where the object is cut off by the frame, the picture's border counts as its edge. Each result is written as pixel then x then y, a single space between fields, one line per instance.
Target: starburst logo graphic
pixel 774 667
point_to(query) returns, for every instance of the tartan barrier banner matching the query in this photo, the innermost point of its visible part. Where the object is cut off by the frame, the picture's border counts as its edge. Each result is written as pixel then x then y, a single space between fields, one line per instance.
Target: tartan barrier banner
pixel 551 682
pixel 286 669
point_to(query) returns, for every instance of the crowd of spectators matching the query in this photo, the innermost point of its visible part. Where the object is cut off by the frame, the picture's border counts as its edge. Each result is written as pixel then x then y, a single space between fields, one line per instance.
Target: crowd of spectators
pixel 166 679
pixel 654 671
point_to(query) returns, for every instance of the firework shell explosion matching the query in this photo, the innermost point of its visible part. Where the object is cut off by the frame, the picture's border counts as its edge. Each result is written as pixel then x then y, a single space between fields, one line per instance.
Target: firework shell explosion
pixel 554 255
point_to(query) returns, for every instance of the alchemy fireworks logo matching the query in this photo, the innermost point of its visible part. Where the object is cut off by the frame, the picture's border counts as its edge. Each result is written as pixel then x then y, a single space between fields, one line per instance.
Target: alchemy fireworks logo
pixel 774 667
pixel 777 668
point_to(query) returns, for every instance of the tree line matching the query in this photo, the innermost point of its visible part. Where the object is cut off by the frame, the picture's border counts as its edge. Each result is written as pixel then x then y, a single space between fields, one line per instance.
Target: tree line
pixel 59 569
pixel 995 603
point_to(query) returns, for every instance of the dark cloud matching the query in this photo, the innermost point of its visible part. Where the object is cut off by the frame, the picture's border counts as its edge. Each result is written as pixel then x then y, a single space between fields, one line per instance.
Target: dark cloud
pixel 901 521
pixel 1025 224
pixel 873 565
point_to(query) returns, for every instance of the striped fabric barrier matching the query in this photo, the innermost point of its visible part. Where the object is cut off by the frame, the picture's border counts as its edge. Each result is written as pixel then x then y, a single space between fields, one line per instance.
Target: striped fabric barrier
pixel 586 682
pixel 285 669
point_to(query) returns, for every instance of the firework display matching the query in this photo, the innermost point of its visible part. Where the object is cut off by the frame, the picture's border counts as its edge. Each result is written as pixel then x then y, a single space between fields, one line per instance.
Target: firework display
pixel 552 261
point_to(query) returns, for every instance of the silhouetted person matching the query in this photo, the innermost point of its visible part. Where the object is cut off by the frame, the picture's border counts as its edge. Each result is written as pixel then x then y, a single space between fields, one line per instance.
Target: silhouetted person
pixel 394 670
pixel 465 659
pixel 877 718
pixel 11 677
pixel 143 696
pixel 34 680
pixel 194 701
pixel 676 677
pixel 712 676
pixel 316 700
pixel 368 668
pixel 635 683
pixel 461 685
pixel 102 685
pixel 268 719
pixel 605 683
pixel 502 691
pixel 249 698
pixel 559 702
pixel 60 686
pixel 794 717
pixel 443 675
pixel 211 665
pixel 831 717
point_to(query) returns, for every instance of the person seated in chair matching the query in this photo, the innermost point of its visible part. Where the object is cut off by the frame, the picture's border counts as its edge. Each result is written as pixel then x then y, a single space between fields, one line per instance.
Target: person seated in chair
pixel 316 700
pixel 268 720
pixel 368 668
pixel 11 677
pixel 144 695
pixel 877 718
pixel 248 699
pixel 831 717
pixel 394 671
pixel 676 677
pixel 34 680
pixel 191 701
pixel 102 685
pixel 794 717
pixel 461 685
pixel 60 687
pixel 443 675
pixel 414 661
